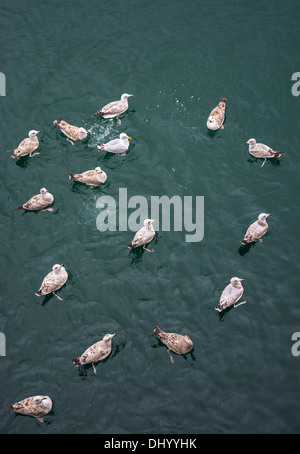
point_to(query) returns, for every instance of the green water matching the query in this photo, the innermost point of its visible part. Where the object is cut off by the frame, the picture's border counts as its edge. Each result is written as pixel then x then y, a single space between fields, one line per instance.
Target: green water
pixel 178 58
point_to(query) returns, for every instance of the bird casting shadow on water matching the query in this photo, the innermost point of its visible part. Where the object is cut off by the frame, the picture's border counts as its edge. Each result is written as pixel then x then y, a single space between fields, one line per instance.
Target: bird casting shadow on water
pixel 160 344
pixel 138 252
pixel 83 368
pixel 274 161
pixel 23 161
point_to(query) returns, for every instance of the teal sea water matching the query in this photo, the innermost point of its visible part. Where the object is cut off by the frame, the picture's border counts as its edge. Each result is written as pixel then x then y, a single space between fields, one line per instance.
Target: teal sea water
pixel 178 58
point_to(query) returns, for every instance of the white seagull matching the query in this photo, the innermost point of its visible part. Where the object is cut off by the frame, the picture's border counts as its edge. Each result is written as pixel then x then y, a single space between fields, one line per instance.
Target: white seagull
pixel 117 146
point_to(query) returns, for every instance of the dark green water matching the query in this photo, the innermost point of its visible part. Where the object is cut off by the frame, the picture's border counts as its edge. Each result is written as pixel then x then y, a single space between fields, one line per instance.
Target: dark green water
pixel 178 58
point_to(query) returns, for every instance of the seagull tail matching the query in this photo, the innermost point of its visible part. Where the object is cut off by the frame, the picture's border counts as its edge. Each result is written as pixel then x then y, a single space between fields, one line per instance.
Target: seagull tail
pixel 100 146
pixel 38 293
pixel 156 330
pixel 130 245
pixel 244 242
pixel 99 112
pixel 278 154
pixel 10 406
pixel 72 176
pixel 218 308
pixel 76 361
pixel 223 100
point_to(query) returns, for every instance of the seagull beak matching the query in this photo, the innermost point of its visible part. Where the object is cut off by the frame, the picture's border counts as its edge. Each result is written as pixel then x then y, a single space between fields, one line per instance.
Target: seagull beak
pixel 247 142
pixel 242 279
pixel 153 220
pixel 62 265
pixel 129 137
pixel 39 132
pixel 270 214
pixel 130 95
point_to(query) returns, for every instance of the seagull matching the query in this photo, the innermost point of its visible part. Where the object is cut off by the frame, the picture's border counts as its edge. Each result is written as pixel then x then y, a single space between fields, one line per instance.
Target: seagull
pixel 74 133
pixel 27 146
pixel 176 342
pixel 114 108
pixel 231 294
pixel 36 406
pixel 97 352
pixel 53 281
pixel 38 202
pixel 217 115
pixel 257 230
pixel 90 177
pixel 117 146
pixel 259 150
pixel 144 235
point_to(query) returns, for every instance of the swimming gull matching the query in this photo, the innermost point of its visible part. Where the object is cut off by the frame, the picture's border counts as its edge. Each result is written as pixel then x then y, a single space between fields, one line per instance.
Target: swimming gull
pixel 36 406
pixel 257 230
pixel 38 202
pixel 178 343
pixel 217 115
pixel 117 146
pixel 27 146
pixel 114 108
pixel 53 281
pixel 144 235
pixel 97 352
pixel 90 177
pixel 259 150
pixel 231 294
pixel 74 133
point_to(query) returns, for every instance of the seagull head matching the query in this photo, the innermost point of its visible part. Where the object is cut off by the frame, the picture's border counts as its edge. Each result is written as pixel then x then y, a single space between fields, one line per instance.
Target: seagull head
pixel 263 216
pixel 124 136
pixel 251 142
pixel 82 133
pixel 56 268
pixel 33 133
pixel 125 96
pixel 236 282
pixel 108 337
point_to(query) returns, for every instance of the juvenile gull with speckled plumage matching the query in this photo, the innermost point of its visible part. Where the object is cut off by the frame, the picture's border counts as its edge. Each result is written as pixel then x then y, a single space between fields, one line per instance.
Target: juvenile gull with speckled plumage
pixel 144 235
pixel 53 281
pixel 260 150
pixel 178 343
pixel 96 352
pixel 216 117
pixel 27 146
pixel 90 177
pixel 74 133
pixel 114 108
pixel 38 202
pixel 36 406
pixel 257 230
pixel 231 294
